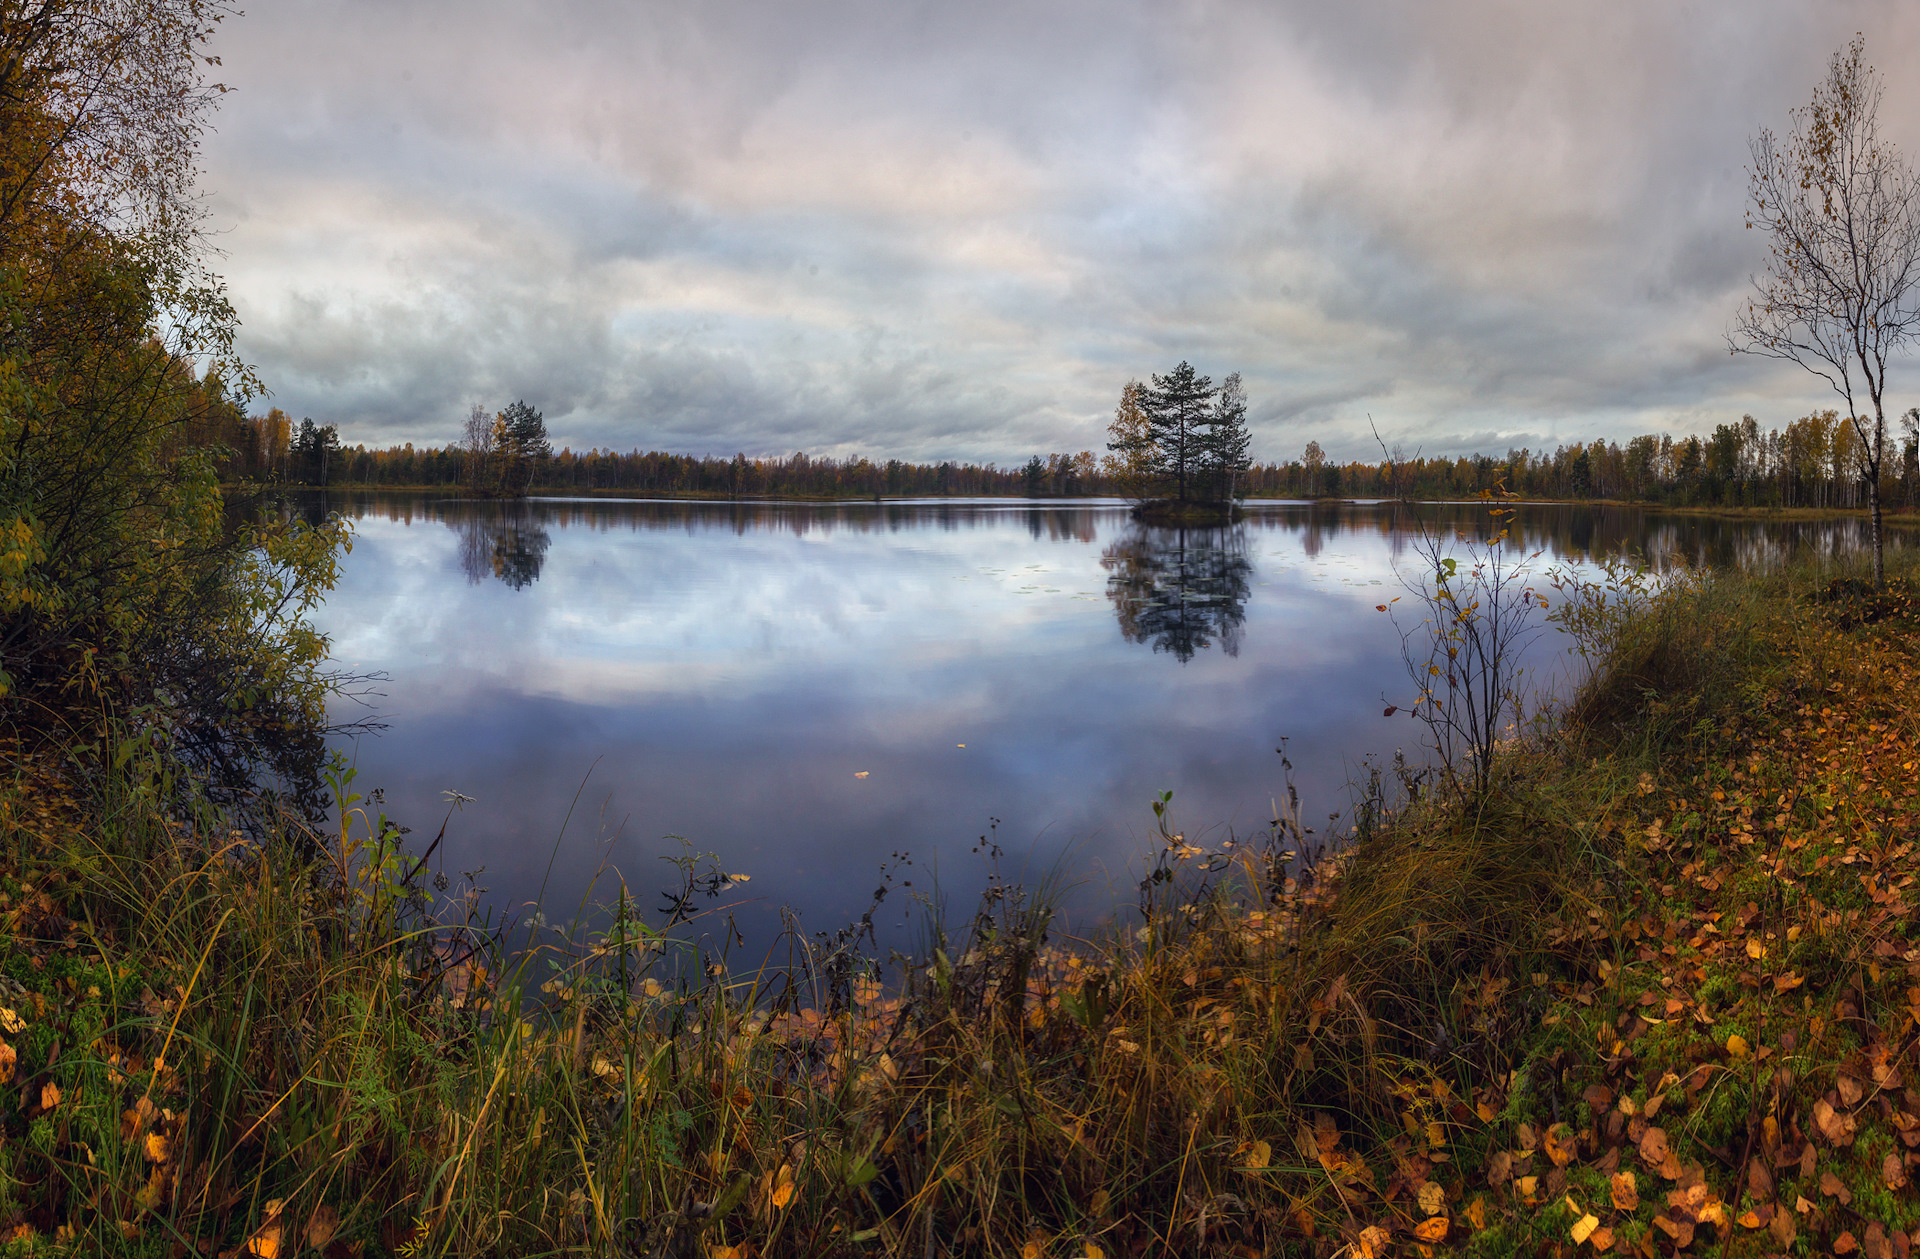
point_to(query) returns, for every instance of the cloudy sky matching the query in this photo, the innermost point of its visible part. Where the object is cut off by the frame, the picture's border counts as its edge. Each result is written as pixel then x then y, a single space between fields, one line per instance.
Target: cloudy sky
pixel 939 230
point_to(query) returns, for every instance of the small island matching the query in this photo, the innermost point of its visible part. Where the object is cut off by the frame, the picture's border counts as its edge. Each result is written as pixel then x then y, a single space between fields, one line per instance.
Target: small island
pixel 1187 513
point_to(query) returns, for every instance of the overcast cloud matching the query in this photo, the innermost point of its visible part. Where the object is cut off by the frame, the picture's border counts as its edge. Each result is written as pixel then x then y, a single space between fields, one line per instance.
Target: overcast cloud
pixel 937 230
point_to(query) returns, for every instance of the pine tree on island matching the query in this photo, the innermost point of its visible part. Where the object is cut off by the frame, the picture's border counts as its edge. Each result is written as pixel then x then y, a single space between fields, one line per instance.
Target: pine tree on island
pixel 1189 437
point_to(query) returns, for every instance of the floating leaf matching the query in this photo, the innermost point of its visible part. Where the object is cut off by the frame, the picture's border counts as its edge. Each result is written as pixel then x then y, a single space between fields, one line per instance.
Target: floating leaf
pixel 860 773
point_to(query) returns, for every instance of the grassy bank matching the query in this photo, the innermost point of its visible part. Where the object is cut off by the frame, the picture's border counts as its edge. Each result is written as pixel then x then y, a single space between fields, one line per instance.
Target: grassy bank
pixel 1652 992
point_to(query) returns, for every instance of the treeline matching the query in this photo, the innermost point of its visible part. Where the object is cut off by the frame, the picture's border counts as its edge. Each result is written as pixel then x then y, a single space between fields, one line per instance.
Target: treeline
pixel 270 448
pixel 1816 461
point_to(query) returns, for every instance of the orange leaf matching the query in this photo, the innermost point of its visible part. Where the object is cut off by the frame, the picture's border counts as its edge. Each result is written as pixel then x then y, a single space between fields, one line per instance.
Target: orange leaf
pixel 1559 1144
pixel 783 1186
pixel 1432 1230
pixel 1835 1127
pixel 265 1242
pixel 1626 1194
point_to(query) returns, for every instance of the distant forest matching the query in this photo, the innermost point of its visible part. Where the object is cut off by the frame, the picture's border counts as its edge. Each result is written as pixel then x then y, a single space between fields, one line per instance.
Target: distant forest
pixel 1813 462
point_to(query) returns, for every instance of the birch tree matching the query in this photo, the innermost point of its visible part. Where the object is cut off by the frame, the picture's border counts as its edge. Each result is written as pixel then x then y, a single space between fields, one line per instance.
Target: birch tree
pixel 1841 295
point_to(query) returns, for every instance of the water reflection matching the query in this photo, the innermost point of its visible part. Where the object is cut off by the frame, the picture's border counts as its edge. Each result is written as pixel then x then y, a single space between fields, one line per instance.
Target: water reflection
pixel 506 541
pixel 1561 533
pixel 727 671
pixel 1180 589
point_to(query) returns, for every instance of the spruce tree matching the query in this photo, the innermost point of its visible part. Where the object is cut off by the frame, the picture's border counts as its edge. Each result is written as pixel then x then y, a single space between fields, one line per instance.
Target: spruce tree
pixel 1228 438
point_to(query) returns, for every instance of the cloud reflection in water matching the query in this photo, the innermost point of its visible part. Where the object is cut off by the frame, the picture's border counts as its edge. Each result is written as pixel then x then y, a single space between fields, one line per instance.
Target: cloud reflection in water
pixel 721 672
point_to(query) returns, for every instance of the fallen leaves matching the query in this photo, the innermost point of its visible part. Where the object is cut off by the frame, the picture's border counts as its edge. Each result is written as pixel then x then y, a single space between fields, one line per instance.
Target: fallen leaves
pixel 1624 1192
pixel 1837 1128
pixel 782 1189
pixel 1560 1145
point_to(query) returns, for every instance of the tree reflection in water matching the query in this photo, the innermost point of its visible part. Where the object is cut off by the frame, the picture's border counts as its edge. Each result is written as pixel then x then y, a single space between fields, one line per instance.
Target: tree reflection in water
pixel 1180 589
pixel 508 542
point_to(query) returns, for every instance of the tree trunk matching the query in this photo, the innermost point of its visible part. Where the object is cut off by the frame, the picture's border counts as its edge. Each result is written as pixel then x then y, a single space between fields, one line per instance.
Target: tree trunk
pixel 1879 553
pixel 1874 465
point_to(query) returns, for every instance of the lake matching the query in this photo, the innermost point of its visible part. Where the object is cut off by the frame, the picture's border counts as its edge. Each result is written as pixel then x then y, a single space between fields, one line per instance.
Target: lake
pixel 807 689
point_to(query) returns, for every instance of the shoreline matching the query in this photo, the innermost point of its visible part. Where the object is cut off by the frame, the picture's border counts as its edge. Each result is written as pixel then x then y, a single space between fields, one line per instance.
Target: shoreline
pixel 1892 516
pixel 1670 942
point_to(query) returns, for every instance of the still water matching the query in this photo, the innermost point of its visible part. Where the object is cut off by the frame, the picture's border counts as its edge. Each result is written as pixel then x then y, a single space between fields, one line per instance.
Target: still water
pixel 807 689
